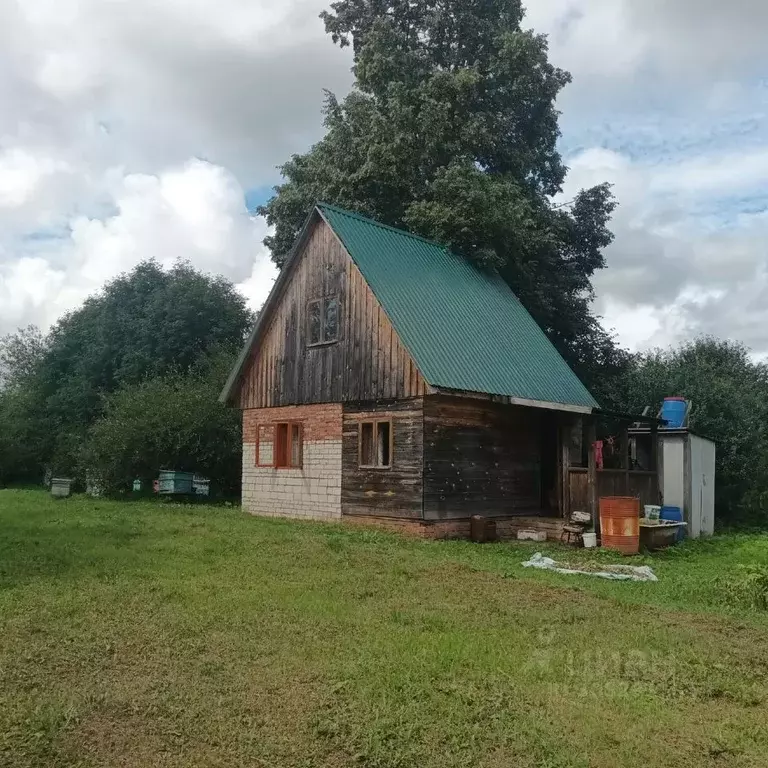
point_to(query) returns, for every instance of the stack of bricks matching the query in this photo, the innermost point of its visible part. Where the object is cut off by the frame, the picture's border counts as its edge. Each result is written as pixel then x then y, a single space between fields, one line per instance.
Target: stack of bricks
pixel 312 492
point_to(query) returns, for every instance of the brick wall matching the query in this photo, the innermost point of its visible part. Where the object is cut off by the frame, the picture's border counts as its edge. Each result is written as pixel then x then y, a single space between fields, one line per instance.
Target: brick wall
pixel 312 492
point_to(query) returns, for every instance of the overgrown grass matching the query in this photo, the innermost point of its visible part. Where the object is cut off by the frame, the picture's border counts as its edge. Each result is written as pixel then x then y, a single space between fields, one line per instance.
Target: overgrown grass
pixel 160 635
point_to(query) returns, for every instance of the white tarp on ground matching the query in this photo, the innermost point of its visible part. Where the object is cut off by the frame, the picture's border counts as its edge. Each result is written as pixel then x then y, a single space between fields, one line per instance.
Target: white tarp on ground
pixel 616 572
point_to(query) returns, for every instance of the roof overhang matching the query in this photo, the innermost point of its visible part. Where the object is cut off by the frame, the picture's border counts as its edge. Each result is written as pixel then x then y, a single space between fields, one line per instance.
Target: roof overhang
pixel 632 418
pixel 665 432
pixel 584 410
pixel 266 311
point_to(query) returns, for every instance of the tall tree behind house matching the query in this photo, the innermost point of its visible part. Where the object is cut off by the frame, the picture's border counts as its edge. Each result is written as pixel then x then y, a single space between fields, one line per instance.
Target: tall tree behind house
pixel 451 131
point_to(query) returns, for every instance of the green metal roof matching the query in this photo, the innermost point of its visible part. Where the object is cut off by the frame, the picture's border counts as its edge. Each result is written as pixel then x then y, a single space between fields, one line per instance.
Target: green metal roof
pixel 465 328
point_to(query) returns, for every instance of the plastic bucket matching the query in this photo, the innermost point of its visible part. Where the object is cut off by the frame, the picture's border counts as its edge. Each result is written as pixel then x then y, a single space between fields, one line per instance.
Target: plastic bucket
pixel 590 540
pixel 652 512
pixel 620 524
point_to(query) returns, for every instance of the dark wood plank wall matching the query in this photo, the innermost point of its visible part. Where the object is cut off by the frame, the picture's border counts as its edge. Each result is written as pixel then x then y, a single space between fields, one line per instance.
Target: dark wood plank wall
pixel 615 482
pixel 482 458
pixel 367 363
pixel 394 492
pixel 612 482
pixel 578 495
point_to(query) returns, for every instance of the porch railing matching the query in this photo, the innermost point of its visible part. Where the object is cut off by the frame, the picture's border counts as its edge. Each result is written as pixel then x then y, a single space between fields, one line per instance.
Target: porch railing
pixel 611 482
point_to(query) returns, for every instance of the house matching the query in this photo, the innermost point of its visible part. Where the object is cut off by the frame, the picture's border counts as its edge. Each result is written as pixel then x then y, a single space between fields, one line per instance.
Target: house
pixel 389 380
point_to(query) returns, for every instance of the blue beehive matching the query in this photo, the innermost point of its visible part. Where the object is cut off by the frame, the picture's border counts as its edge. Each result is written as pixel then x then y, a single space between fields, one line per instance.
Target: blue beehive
pixel 172 482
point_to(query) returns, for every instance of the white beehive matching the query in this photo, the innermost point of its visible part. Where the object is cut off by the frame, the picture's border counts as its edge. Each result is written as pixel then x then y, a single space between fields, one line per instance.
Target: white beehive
pixel 61 487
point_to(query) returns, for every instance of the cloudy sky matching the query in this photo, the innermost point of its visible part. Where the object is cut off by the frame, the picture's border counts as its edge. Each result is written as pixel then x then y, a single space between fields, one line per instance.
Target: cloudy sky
pixel 147 128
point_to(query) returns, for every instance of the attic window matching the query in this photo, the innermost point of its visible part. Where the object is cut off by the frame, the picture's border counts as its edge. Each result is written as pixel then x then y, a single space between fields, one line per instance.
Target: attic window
pixel 323 317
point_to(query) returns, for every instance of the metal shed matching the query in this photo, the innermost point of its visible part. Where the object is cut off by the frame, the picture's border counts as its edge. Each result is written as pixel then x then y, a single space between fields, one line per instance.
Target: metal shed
pixel 687 477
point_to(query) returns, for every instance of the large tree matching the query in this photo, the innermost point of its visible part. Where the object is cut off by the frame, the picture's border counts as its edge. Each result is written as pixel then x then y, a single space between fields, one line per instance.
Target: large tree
pixel 451 131
pixel 20 354
pixel 23 431
pixel 146 324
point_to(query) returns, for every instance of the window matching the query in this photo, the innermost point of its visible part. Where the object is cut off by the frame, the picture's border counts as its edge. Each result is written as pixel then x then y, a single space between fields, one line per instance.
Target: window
pixel 375 441
pixel 265 445
pixel 288 449
pixel 323 320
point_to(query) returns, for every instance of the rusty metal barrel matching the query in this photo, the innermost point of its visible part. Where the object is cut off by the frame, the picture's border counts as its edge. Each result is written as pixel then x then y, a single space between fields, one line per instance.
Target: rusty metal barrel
pixel 620 524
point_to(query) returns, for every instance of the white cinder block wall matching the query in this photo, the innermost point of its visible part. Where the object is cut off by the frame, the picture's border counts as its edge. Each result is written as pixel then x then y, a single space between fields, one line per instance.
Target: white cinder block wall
pixel 312 492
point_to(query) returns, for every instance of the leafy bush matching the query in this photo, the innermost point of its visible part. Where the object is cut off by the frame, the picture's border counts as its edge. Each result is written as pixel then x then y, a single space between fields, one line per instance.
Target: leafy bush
pixel 750 587
pixel 169 422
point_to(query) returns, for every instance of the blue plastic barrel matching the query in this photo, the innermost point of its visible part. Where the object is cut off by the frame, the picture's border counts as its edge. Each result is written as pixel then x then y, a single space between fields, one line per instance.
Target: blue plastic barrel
pixel 674 515
pixel 673 411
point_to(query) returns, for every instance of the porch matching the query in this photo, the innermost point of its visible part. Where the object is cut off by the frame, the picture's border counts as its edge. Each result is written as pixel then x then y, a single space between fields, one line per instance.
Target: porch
pixel 600 458
pixel 610 482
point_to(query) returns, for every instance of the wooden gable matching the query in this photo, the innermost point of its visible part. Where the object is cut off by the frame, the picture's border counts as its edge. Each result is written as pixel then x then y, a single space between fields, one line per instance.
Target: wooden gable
pixel 368 362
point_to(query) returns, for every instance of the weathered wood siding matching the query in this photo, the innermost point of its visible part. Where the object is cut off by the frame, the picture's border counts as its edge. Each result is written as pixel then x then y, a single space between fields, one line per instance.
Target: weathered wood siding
pixel 367 363
pixel 578 492
pixel 615 482
pixel 612 482
pixel 481 458
pixel 396 492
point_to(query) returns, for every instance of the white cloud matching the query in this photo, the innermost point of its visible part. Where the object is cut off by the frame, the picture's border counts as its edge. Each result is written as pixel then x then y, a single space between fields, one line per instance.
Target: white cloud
pixel 26 287
pixel 105 106
pixel 257 286
pixel 238 81
pixel 21 174
pixel 668 276
pixel 195 212
pixel 730 171
pixel 592 38
pixel 705 42
pixel 669 104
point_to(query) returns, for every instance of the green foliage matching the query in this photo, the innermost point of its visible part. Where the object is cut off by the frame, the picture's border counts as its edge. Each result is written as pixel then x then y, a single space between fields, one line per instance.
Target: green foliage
pixel 23 436
pixel 20 354
pixel 729 393
pixel 750 587
pixel 147 324
pixel 451 132
pixel 171 422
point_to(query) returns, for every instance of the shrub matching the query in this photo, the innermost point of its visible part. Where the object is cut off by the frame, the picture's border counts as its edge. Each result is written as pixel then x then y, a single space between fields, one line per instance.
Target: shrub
pixel 750 586
pixel 168 422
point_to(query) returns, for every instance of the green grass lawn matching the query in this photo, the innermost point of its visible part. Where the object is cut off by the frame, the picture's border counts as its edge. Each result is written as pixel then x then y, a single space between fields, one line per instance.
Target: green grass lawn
pixel 143 634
